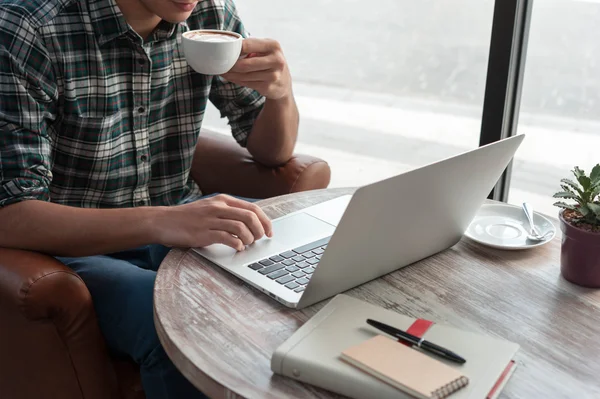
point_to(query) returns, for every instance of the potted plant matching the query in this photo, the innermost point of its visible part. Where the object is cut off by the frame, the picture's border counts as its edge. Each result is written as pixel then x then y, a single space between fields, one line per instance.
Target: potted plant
pixel 580 226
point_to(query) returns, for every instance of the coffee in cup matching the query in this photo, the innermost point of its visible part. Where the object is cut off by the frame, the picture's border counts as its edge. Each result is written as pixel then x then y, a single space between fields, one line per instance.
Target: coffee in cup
pixel 210 51
pixel 204 36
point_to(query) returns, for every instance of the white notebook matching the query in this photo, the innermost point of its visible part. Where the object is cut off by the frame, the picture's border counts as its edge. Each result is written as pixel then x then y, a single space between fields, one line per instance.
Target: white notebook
pixel 313 354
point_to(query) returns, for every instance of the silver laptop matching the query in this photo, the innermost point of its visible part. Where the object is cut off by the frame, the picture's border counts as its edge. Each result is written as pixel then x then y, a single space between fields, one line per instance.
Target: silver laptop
pixel 331 247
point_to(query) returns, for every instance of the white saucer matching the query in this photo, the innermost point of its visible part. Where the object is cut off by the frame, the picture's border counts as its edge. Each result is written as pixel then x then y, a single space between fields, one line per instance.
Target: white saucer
pixel 505 226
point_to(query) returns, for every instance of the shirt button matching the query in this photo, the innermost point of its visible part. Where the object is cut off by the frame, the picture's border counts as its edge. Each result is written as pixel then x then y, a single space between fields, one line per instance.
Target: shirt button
pixel 141 110
pixel 141 202
pixel 141 61
pixel 144 158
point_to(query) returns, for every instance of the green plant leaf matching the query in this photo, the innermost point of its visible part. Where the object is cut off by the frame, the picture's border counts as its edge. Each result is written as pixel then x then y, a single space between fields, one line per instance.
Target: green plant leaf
pixel 585 182
pixel 595 208
pixel 584 210
pixel 567 188
pixel 595 193
pixel 566 195
pixel 578 172
pixel 564 205
pixel 595 175
pixel 573 185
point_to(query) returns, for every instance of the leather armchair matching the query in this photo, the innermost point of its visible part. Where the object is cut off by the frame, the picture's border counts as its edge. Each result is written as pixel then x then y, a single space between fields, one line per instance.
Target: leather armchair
pixel 50 343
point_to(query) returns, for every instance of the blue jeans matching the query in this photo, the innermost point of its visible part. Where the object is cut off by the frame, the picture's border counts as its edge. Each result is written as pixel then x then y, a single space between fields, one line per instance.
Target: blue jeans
pixel 121 285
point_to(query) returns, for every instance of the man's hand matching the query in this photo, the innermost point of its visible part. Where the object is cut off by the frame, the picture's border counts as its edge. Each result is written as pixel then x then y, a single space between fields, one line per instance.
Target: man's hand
pixel 218 220
pixel 264 69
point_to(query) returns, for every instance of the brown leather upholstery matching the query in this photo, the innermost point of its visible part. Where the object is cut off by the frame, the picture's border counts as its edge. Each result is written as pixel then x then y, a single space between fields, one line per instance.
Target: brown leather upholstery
pixel 238 174
pixel 50 343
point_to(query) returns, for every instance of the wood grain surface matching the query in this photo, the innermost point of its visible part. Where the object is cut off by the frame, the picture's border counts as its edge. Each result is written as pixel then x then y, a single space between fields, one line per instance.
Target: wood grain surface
pixel 221 332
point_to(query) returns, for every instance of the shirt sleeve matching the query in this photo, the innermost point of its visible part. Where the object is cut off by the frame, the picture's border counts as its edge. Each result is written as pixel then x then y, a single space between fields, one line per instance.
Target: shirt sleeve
pixel 240 105
pixel 28 95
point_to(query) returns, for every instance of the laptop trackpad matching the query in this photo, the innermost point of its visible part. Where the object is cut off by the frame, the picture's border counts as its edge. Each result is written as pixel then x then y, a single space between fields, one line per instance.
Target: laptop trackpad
pixel 300 229
pixel 288 233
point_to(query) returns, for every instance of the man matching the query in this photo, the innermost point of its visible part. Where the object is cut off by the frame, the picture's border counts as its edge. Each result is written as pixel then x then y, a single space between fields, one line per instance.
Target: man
pixel 99 116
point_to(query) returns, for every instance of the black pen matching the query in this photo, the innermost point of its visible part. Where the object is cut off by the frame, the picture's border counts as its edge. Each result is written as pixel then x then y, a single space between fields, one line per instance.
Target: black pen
pixel 421 343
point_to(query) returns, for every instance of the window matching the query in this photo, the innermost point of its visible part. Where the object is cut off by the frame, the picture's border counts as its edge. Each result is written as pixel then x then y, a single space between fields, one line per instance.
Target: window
pixel 384 88
pixel 560 104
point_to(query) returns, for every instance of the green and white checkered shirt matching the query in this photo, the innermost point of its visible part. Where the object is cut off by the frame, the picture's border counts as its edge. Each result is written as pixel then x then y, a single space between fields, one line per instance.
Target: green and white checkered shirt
pixel 92 116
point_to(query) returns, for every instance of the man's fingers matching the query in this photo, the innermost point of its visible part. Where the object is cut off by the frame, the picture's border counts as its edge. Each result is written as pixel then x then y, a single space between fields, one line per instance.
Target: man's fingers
pixel 236 228
pixel 255 64
pixel 262 217
pixel 222 237
pixel 258 45
pixel 263 76
pixel 249 218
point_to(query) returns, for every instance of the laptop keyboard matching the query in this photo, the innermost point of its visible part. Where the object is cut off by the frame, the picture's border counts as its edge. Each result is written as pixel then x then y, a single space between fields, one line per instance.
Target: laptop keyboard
pixel 293 269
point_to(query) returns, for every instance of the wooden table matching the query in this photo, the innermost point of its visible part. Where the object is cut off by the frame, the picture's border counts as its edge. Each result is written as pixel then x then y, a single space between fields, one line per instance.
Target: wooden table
pixel 221 333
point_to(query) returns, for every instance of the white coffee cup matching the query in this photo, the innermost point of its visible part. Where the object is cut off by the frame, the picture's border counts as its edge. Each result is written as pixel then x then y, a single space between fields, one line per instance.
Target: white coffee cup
pixel 210 51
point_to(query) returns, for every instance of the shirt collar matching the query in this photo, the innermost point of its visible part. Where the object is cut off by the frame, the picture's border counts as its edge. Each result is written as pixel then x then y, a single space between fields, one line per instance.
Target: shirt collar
pixel 107 20
pixel 164 30
pixel 109 23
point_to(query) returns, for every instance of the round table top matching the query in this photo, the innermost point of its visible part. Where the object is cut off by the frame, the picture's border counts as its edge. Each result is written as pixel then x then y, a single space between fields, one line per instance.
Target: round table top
pixel 221 333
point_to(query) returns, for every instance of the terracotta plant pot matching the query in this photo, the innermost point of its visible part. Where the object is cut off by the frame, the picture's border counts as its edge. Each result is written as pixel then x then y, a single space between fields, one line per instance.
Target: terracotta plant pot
pixel 580 255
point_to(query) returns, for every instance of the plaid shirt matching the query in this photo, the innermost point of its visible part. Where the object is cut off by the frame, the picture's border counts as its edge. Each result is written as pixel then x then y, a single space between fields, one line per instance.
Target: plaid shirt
pixel 93 116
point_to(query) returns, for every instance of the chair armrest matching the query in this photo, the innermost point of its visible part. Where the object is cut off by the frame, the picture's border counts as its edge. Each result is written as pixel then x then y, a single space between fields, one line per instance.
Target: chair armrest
pixel 222 166
pixel 50 342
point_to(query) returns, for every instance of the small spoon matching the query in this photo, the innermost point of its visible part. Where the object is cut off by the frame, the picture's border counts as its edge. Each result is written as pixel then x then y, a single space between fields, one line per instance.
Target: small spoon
pixel 534 234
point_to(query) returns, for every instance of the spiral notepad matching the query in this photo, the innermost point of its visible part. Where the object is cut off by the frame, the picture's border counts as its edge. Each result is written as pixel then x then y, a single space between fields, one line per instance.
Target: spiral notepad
pixel 405 368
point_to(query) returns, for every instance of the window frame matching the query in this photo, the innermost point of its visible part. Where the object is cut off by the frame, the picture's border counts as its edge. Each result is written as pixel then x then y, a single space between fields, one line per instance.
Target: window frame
pixel 504 80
